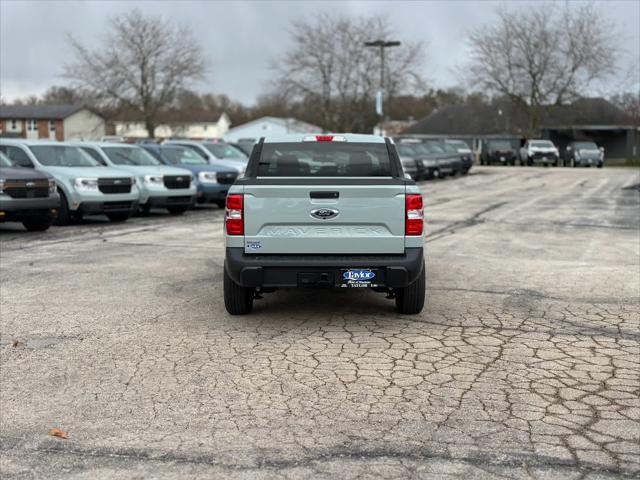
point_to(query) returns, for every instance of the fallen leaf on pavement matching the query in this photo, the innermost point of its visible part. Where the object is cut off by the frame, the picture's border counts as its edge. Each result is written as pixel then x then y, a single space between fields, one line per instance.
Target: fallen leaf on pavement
pixel 56 432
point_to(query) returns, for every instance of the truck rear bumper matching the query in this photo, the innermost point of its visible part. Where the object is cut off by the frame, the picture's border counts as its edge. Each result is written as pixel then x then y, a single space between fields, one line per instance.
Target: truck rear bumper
pixel 273 271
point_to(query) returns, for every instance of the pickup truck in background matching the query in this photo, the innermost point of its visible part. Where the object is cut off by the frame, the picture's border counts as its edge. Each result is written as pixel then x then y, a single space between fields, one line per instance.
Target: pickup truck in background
pixel 325 210
pixel 27 196
pixel 584 154
pixel 539 151
pixel 160 186
pixel 85 187
pixel 497 151
pixel 212 181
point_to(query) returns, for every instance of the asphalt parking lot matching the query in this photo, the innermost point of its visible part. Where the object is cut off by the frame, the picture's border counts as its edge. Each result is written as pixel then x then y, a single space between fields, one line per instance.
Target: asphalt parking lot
pixel 524 364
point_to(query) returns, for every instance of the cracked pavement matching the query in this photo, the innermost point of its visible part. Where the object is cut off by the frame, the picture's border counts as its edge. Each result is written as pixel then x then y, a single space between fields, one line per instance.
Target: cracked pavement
pixel 525 362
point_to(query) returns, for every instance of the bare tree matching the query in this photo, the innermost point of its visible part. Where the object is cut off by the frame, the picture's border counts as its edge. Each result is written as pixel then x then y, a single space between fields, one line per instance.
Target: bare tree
pixel 329 67
pixel 58 95
pixel 543 55
pixel 629 103
pixel 143 63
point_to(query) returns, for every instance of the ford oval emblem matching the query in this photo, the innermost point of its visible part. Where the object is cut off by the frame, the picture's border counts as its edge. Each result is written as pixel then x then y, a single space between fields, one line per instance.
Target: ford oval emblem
pixel 179 179
pixel 324 213
pixel 30 184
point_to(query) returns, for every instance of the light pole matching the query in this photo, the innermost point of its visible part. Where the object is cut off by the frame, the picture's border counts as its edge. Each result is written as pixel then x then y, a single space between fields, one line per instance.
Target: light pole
pixel 382 44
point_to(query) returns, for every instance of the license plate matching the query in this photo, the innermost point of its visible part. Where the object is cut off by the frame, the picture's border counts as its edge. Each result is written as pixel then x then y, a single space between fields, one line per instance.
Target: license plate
pixel 358 277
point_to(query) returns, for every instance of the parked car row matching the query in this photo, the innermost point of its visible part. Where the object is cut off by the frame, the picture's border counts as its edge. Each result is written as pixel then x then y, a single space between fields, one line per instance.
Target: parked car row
pixel 428 159
pixel 541 152
pixel 46 181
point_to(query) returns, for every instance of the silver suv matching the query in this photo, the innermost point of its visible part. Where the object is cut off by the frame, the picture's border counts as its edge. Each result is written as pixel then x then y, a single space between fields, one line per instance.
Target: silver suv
pixel 326 211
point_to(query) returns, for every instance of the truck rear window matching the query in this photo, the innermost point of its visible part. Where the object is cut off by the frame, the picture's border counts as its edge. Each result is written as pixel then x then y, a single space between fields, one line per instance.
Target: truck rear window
pixel 324 159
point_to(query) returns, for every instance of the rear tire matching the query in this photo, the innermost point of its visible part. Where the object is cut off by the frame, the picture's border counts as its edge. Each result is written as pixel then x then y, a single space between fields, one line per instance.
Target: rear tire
pixel 238 300
pixel 177 210
pixel 410 299
pixel 118 217
pixel 63 218
pixel 38 223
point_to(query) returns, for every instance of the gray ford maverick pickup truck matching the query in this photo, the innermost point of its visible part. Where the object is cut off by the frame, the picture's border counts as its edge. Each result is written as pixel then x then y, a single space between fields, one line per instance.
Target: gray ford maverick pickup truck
pixel 330 210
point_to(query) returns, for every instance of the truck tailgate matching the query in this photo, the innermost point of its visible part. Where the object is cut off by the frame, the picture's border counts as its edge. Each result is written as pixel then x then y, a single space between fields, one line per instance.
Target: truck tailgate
pixel 324 219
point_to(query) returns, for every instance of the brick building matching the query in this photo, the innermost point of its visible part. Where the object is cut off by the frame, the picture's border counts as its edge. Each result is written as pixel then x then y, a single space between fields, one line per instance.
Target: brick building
pixel 51 122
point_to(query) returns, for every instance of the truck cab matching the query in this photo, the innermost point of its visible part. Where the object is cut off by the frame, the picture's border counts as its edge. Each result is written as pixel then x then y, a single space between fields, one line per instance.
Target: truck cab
pixel 324 211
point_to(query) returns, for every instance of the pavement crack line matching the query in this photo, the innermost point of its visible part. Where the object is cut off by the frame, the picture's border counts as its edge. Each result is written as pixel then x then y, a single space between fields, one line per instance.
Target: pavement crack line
pixel 471 221
pixel 484 459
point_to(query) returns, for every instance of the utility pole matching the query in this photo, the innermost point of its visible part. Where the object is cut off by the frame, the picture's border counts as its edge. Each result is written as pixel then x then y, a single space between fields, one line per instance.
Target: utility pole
pixel 382 44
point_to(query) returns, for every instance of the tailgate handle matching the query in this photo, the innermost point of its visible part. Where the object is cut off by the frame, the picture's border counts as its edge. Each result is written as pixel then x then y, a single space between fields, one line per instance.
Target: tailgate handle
pixel 324 194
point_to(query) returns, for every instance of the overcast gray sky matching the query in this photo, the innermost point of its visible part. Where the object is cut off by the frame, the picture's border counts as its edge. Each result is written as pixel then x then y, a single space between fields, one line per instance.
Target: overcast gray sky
pixel 241 37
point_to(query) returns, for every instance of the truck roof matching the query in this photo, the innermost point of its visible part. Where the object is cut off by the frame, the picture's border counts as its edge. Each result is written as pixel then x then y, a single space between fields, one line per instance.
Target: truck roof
pixel 29 142
pixel 103 144
pixel 300 137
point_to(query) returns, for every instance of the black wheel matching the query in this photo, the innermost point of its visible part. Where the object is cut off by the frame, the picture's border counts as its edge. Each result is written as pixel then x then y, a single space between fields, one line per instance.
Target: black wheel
pixel 221 203
pixel 64 217
pixel 237 300
pixel 177 210
pixel 145 209
pixel 529 162
pixel 118 217
pixel 410 300
pixel 555 164
pixel 481 161
pixel 37 223
pixel 599 165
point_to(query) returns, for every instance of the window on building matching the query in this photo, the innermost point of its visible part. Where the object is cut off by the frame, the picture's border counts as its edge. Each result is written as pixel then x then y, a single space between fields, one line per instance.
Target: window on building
pixel 32 125
pixel 14 125
pixel 52 125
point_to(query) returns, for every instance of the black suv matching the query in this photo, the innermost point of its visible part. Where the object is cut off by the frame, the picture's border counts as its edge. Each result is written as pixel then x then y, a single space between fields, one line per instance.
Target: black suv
pixel 498 151
pixel 27 196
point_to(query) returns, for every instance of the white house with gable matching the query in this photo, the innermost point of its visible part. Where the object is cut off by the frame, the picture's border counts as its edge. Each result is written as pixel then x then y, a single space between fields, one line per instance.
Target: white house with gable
pixel 264 126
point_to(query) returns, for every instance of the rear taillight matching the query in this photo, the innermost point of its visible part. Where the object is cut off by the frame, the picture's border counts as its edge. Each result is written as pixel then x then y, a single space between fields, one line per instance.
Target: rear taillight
pixel 234 215
pixel 414 220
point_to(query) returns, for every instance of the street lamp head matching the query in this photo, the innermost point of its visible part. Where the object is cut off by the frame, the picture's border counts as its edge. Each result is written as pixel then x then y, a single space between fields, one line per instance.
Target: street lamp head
pixel 382 43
